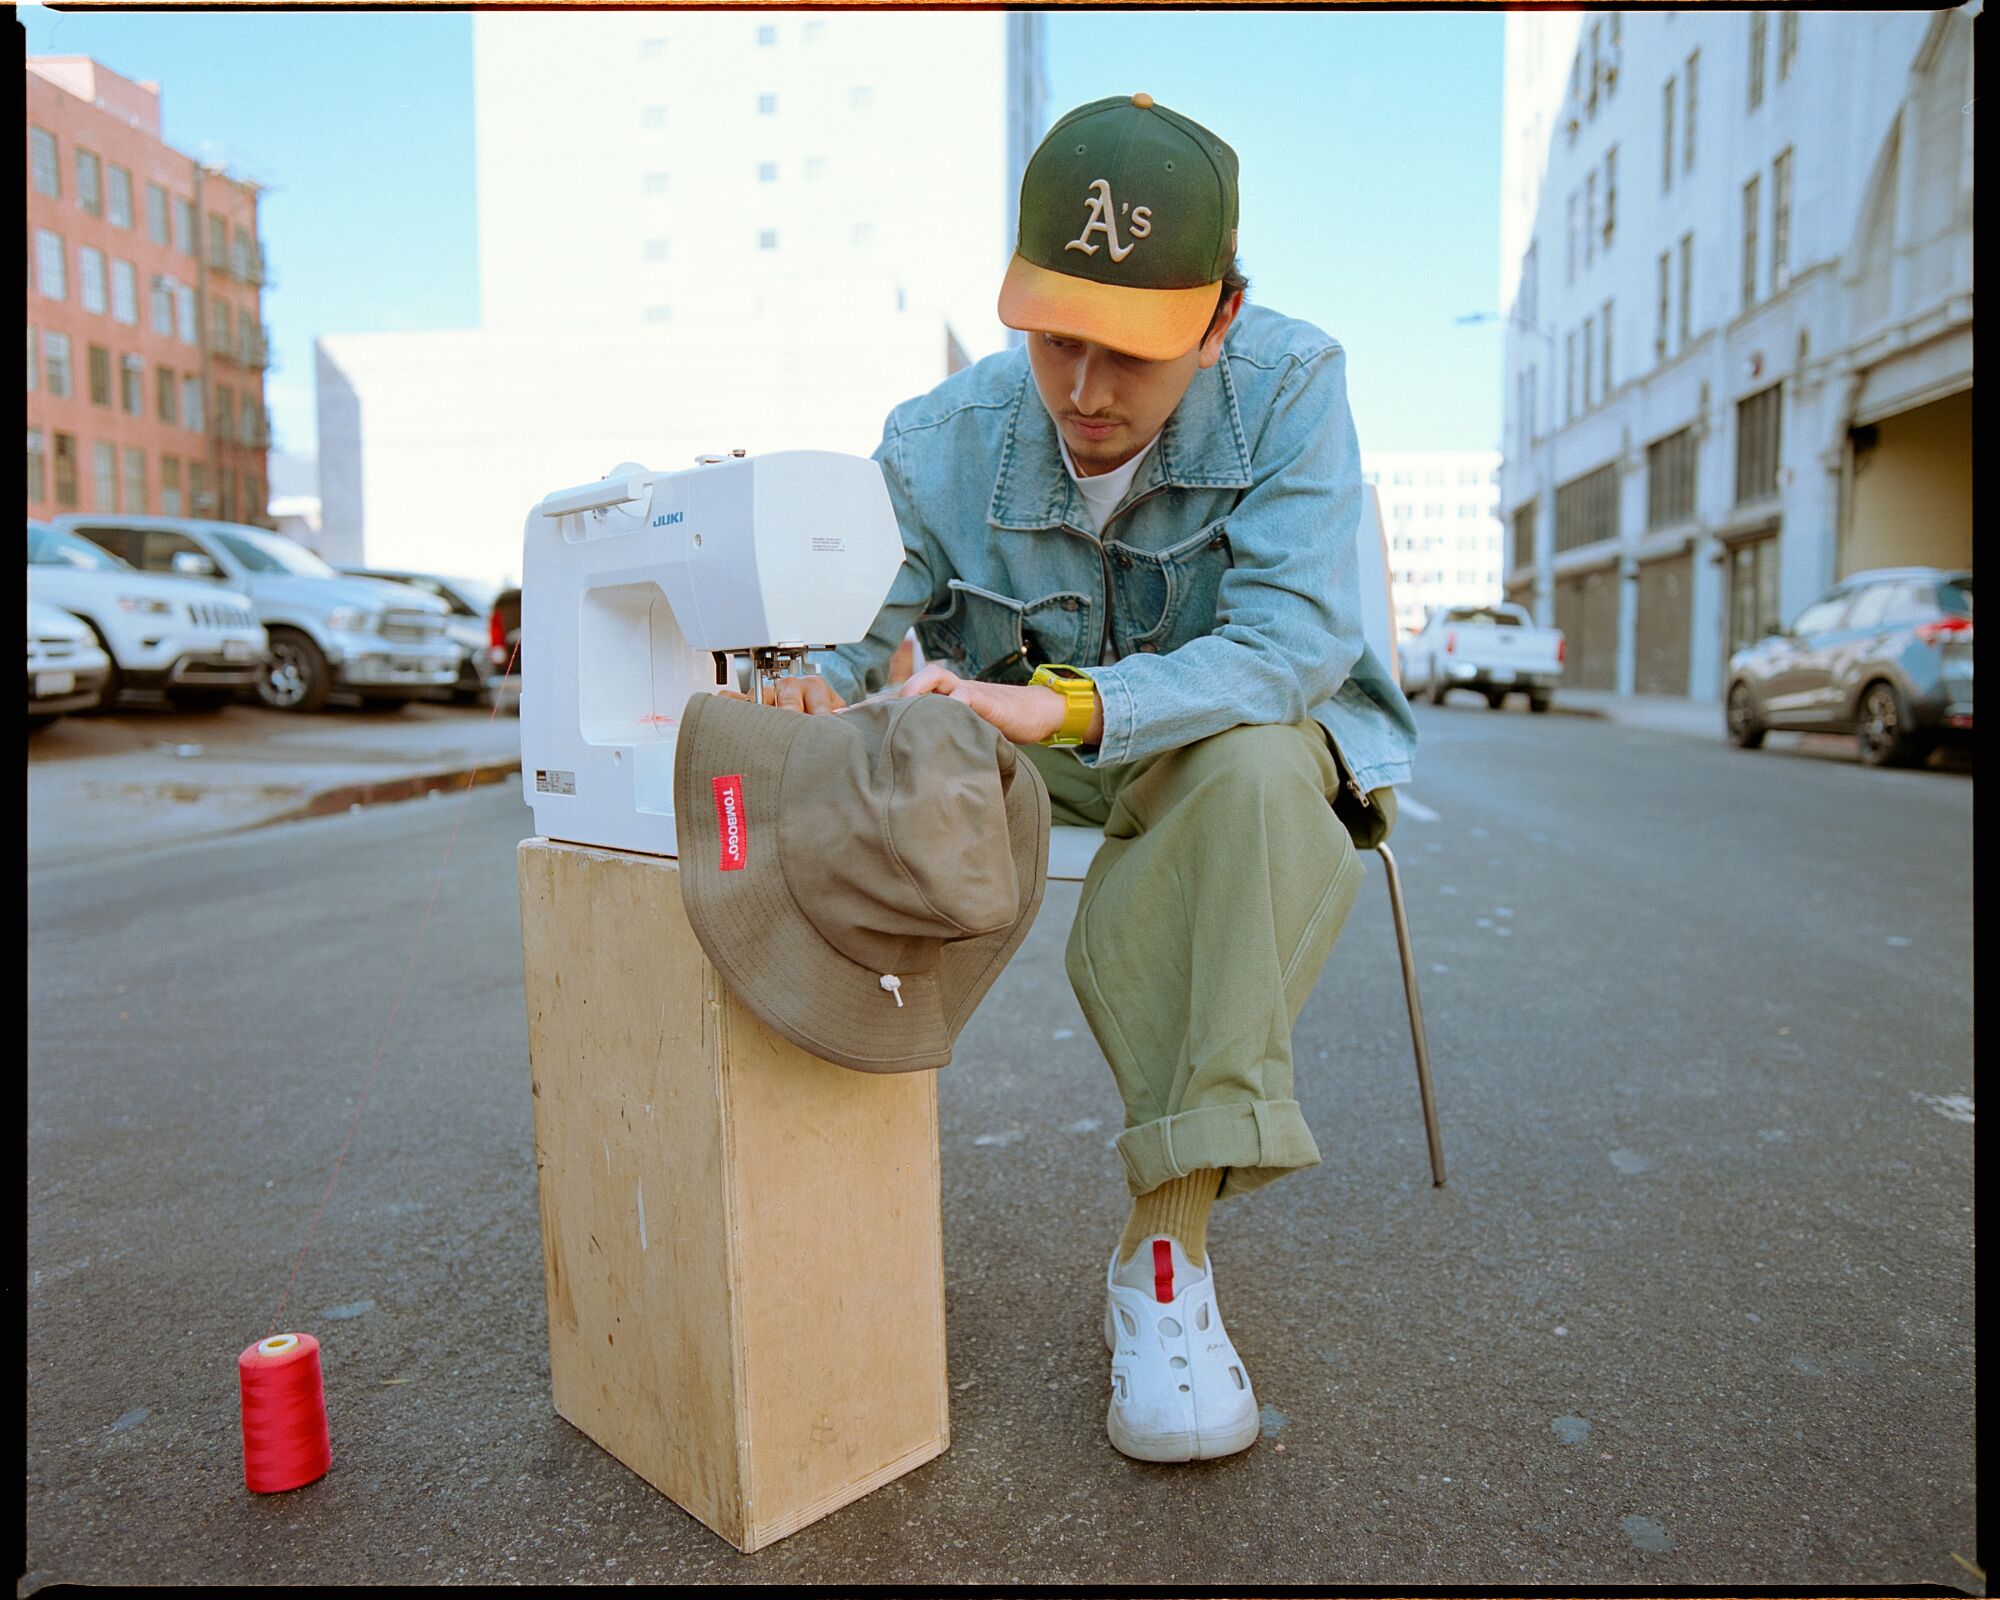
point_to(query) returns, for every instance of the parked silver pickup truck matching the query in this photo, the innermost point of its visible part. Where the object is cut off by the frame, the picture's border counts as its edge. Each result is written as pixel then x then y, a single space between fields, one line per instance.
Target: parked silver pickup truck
pixel 1495 650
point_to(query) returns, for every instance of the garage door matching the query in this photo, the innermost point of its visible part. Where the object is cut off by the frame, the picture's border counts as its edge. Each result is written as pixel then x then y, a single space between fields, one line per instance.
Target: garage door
pixel 1587 613
pixel 1665 614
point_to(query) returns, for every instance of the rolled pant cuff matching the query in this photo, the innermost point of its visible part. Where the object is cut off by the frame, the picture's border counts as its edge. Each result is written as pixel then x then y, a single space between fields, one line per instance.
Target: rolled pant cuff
pixel 1254 1141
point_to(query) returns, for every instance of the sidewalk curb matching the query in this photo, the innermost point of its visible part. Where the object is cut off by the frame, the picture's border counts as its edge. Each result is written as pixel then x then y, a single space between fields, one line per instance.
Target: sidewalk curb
pixel 352 796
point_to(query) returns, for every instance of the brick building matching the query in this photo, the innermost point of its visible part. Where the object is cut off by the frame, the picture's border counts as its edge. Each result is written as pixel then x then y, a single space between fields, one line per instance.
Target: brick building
pixel 146 345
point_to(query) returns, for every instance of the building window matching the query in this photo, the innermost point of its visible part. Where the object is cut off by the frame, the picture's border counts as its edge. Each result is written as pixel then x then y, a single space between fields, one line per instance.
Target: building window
pixel 860 99
pixel 1781 218
pixel 103 477
pixel 1667 138
pixel 767 35
pixel 1757 429
pixel 650 49
pixel 1750 192
pixel 191 404
pixel 170 486
pixel 218 326
pixel 1587 509
pixel 1524 535
pixel 65 469
pixel 160 305
pixel 120 194
pixel 767 172
pixel 99 361
pixel 1759 28
pixel 89 183
pixel 49 275
pixel 90 278
pixel 42 162
pixel 1687 290
pixel 56 365
pixel 767 239
pixel 239 255
pixel 1589 218
pixel 218 243
pixel 653 117
pixel 1753 591
pixel 124 293
pixel 1788 43
pixel 656 250
pixel 767 105
pixel 225 410
pixel 1610 195
pixel 1670 464
pixel 225 484
pixel 656 183
pixel 156 213
pixel 1571 275
pixel 184 226
pixel 864 233
pixel 815 165
pixel 199 499
pixel 1606 325
pixel 1589 346
pixel 1530 295
pixel 1569 376
pixel 34 364
pixel 1660 328
pixel 1687 122
pixel 132 386
pixel 37 467
pixel 659 313
pixel 184 317
pixel 134 487
pixel 167 394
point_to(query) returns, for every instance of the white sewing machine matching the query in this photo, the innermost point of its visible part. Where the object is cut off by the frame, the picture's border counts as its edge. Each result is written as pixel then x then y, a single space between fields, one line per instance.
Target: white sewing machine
pixel 638 589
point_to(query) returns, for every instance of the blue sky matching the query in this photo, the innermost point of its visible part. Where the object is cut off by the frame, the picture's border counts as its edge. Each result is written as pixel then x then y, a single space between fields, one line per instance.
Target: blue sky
pixel 1369 144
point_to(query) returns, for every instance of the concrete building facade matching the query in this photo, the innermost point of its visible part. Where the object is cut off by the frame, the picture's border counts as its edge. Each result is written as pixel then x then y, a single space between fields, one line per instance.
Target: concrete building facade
pixel 1736 253
pixel 1440 511
pixel 146 342
pixel 697 231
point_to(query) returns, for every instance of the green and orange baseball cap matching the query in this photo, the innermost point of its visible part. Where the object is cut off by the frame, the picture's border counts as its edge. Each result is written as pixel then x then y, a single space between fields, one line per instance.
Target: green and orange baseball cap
pixel 1128 223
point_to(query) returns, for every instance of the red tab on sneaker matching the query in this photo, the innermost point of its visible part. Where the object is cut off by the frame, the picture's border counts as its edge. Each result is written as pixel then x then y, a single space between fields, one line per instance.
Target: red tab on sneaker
pixel 1163 1271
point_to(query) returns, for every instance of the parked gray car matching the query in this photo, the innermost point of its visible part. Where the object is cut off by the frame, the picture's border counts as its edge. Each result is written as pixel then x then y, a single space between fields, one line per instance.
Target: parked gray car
pixel 1885 655
pixel 382 642
pixel 471 604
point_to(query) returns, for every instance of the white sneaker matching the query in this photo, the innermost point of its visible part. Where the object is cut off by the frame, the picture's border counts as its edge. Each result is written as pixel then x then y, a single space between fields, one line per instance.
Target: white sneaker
pixel 1179 1391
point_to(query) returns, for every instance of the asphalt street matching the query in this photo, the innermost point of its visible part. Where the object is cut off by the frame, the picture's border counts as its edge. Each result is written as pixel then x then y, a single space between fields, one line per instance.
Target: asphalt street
pixel 1696 1306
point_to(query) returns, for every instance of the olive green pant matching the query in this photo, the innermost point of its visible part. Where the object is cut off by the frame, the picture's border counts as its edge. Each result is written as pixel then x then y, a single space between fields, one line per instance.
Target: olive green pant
pixel 1204 922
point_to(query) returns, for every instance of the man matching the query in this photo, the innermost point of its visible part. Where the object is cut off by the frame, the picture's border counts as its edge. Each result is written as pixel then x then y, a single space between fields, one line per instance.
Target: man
pixel 1132 549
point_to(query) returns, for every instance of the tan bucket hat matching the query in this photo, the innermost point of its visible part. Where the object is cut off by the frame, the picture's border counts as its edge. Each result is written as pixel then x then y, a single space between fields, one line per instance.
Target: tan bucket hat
pixel 858 878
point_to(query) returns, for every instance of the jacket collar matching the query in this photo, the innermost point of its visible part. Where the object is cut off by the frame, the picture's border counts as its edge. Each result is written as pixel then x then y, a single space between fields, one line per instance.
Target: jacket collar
pixel 1201 447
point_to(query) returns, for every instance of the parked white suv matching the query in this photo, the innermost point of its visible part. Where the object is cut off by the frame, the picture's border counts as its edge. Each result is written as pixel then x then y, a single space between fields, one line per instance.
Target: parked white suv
pixel 384 642
pixel 197 643
pixel 66 670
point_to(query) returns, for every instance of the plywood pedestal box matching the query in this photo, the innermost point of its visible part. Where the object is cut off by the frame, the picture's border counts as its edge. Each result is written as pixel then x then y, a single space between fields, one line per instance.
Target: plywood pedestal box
pixel 742 1241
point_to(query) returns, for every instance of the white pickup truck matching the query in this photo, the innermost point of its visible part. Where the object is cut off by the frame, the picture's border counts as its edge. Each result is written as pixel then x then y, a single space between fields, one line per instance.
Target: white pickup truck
pixel 1493 649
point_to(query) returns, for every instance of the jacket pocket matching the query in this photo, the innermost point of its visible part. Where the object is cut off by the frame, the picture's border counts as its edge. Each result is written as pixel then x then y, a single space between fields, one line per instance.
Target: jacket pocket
pixel 991 636
pixel 1179 585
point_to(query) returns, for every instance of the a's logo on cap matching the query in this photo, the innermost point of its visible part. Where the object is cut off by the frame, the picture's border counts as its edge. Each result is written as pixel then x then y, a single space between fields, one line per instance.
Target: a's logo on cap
pixel 1104 219
pixel 731 823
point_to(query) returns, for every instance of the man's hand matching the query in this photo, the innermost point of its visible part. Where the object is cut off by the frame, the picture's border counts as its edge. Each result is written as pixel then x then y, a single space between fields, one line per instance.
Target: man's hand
pixel 1025 713
pixel 810 694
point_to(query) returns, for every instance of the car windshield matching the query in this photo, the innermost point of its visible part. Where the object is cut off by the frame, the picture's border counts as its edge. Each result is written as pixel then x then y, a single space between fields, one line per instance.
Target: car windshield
pixel 48 548
pixel 1499 619
pixel 479 596
pixel 1956 597
pixel 273 552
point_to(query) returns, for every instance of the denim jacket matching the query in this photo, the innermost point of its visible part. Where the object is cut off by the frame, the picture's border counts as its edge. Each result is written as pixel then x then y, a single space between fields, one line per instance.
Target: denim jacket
pixel 1228 577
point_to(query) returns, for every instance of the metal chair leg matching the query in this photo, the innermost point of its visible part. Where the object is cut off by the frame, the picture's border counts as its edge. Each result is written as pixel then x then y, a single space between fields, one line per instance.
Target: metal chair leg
pixel 1416 1014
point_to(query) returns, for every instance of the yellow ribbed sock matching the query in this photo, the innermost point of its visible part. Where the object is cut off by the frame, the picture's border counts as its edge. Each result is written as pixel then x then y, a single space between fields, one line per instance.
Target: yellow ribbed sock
pixel 1179 1209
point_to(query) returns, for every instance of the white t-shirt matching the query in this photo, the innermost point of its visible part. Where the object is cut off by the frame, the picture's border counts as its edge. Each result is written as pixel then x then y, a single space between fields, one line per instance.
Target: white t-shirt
pixel 1101 493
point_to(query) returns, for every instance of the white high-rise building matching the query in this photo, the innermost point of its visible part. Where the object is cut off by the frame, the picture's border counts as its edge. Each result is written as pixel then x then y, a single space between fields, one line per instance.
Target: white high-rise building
pixel 1441 515
pixel 698 231
pixel 1736 254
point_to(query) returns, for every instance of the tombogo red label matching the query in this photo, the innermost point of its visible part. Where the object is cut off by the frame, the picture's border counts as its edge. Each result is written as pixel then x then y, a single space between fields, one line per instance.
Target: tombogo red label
pixel 730 822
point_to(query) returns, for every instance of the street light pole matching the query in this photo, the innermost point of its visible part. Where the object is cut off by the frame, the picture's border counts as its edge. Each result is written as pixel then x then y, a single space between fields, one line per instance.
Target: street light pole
pixel 1549 471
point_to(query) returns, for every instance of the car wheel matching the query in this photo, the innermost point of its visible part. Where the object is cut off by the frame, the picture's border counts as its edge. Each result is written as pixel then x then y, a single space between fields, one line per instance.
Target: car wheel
pixel 1496 698
pixel 1538 703
pixel 382 704
pixel 1746 729
pixel 113 680
pixel 41 720
pixel 199 699
pixel 1438 691
pixel 296 677
pixel 1887 739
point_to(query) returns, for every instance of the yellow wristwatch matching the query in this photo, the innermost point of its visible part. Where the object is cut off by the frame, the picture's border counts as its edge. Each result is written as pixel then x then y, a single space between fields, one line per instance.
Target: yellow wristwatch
pixel 1079 690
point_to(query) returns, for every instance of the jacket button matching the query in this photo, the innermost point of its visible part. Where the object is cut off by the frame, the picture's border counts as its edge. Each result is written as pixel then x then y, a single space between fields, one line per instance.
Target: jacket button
pixel 1069 603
